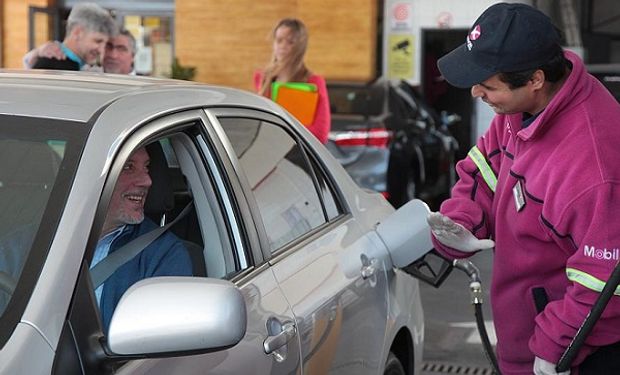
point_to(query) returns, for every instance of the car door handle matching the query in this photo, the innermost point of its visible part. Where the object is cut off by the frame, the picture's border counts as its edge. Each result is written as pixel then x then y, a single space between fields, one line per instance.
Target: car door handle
pixel 275 342
pixel 369 267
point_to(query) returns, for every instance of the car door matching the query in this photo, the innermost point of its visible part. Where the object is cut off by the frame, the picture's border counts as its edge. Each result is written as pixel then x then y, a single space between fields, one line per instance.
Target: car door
pixel 325 264
pixel 223 237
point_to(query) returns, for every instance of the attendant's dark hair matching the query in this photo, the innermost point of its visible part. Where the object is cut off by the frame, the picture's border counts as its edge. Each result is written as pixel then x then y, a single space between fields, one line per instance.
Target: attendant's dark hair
pixel 554 70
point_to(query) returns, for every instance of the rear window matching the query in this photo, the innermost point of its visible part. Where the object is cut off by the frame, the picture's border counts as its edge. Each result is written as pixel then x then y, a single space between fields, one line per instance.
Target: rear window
pixel 37 164
pixel 351 99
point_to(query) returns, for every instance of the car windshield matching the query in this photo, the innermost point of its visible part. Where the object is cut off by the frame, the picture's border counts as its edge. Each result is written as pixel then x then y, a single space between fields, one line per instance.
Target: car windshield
pixel 37 164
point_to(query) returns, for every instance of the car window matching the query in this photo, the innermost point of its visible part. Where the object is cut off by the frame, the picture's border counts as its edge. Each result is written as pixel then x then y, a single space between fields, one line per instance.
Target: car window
pixel 279 176
pixel 37 162
pixel 171 158
pixel 215 226
pixel 333 208
pixel 164 183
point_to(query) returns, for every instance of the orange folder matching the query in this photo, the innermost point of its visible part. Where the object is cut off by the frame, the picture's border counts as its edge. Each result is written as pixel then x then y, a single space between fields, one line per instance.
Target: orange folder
pixel 301 103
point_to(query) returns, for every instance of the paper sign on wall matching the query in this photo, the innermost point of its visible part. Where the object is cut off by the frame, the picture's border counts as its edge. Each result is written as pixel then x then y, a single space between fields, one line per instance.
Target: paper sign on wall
pixel 400 56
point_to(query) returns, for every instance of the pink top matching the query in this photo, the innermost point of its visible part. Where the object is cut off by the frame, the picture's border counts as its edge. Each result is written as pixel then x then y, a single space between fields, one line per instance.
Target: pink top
pixel 322 118
pixel 564 241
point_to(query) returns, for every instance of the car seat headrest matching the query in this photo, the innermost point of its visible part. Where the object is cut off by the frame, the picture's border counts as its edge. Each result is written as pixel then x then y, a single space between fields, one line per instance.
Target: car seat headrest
pixel 160 198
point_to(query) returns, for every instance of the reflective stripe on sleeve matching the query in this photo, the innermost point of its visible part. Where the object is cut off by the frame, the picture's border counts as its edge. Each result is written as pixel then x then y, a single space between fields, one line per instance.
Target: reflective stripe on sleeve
pixel 588 281
pixel 483 167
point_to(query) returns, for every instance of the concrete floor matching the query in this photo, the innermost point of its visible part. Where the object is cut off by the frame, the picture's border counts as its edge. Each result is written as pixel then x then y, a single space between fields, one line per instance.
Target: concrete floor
pixel 452 342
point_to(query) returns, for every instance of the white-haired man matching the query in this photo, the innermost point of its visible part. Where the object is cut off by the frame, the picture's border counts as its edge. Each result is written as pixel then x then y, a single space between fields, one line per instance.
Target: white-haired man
pixel 88 29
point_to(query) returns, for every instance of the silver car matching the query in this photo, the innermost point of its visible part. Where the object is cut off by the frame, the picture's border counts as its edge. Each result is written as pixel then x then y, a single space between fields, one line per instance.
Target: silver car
pixel 295 267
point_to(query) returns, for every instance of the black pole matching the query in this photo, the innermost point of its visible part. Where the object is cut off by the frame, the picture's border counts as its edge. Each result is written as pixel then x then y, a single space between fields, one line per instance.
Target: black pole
pixel 590 320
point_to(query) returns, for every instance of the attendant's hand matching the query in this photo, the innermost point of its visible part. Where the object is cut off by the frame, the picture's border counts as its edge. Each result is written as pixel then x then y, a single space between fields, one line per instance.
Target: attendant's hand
pixel 454 235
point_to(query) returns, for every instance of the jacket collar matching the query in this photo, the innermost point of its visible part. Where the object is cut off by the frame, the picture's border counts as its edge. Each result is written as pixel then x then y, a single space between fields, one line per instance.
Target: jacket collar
pixel 575 90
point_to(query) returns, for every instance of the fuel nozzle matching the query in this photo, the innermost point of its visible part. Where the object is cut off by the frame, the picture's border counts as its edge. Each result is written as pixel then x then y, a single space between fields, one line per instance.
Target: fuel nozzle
pixel 475 286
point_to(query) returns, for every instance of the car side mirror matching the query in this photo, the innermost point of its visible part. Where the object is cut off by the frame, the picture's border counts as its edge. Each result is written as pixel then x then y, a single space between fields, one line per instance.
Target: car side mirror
pixel 166 316
pixel 407 236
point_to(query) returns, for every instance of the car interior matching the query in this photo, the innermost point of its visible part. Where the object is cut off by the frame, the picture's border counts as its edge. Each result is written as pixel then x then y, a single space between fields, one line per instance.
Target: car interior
pixel 180 179
pixel 27 174
pixel 26 179
pixel 161 203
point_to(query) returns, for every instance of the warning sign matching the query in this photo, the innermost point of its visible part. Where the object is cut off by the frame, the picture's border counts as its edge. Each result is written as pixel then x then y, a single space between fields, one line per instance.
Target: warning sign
pixel 400 57
pixel 401 19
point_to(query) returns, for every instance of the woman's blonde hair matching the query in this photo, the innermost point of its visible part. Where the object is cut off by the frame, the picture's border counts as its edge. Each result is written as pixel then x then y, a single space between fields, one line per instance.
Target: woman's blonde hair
pixel 293 68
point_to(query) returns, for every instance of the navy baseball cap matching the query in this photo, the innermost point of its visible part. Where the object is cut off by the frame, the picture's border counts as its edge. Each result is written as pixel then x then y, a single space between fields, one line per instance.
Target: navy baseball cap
pixel 507 37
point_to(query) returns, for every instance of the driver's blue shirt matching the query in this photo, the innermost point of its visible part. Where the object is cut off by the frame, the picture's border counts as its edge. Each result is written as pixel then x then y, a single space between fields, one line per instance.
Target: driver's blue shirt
pixel 102 250
pixel 166 256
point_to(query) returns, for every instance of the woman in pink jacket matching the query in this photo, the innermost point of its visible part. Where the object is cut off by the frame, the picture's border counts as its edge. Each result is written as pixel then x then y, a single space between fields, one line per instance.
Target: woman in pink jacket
pixel 290 40
pixel 544 183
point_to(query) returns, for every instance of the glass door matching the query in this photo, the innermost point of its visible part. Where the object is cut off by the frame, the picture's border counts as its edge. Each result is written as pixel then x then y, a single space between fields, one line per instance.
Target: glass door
pixel 45 23
pixel 154 41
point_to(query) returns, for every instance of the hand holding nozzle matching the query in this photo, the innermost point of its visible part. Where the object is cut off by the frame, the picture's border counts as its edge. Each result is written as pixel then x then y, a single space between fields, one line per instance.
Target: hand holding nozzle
pixel 454 235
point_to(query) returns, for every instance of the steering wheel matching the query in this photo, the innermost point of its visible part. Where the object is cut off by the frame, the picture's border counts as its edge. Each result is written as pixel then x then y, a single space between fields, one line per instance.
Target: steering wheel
pixel 7 283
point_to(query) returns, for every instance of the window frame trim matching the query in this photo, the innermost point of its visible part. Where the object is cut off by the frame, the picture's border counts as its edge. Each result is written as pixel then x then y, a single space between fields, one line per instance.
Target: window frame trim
pixel 152 130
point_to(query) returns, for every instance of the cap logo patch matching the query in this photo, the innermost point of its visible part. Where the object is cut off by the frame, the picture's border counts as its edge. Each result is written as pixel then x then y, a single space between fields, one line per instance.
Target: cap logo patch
pixel 475 33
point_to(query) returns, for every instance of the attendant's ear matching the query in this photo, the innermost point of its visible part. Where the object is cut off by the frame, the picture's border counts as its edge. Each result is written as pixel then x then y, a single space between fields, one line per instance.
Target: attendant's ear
pixel 537 80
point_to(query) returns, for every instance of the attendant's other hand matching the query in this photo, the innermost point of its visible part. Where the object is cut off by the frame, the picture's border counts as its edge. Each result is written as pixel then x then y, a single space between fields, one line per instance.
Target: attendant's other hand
pixel 542 367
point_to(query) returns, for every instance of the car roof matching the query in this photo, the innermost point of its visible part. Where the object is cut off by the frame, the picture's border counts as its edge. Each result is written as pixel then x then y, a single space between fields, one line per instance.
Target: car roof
pixel 79 96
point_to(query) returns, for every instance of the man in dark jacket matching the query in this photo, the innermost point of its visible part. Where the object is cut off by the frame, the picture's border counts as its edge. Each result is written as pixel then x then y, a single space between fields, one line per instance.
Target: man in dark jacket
pixel 88 29
pixel 125 221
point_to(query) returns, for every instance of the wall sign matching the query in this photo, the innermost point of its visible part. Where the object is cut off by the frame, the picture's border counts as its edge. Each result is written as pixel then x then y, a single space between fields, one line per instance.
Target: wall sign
pixel 400 56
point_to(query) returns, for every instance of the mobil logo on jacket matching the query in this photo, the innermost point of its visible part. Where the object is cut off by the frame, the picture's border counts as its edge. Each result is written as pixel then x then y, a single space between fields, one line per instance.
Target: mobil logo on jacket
pixel 601 254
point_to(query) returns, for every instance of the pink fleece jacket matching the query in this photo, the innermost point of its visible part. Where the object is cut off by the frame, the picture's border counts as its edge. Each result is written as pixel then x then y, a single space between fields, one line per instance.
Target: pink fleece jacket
pixel 321 124
pixel 564 242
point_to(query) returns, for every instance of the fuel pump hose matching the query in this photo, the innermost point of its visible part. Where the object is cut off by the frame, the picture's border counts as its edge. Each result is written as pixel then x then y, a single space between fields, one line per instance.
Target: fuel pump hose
pixel 475 289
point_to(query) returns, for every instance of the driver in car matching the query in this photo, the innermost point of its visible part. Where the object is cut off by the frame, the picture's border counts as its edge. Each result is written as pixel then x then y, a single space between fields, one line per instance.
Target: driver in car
pixel 125 221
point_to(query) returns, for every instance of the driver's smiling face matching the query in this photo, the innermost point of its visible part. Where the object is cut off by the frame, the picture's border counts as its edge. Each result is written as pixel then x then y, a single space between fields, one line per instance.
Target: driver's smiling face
pixel 132 186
